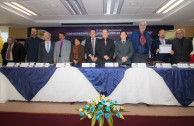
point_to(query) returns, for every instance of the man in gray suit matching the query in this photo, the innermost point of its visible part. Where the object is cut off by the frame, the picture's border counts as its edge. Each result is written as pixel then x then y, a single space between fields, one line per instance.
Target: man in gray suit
pixel 46 49
pixel 182 47
pixel 124 49
pixel 62 49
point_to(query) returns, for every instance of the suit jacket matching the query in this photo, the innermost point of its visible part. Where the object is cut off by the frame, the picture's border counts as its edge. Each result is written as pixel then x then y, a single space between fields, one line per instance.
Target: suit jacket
pixel 31 46
pixel 18 53
pixel 102 50
pixel 135 37
pixel 89 49
pixel 65 52
pixel 81 54
pixel 158 56
pixel 181 52
pixel 123 50
pixel 43 56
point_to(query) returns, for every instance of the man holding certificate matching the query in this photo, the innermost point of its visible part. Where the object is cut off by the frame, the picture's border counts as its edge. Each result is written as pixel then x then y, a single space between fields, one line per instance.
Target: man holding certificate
pixel 161 48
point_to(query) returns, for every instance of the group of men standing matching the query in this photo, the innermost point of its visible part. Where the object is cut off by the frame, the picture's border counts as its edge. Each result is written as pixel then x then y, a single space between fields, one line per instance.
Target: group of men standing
pixel 136 49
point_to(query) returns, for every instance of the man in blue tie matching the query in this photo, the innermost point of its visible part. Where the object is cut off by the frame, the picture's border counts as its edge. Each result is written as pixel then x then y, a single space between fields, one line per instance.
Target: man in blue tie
pixel 46 49
pixel 155 48
pixel 124 49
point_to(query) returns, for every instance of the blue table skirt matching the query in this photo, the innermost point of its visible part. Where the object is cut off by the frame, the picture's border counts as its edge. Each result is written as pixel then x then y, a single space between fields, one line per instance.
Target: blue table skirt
pixel 180 82
pixel 28 81
pixel 104 79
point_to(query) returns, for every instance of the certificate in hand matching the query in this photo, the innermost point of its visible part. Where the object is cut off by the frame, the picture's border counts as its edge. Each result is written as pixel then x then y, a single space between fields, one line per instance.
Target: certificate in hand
pixel 165 48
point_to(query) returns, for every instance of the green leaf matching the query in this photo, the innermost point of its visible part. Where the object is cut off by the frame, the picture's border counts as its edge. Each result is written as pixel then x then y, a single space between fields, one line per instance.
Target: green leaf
pixel 121 116
pixel 110 121
pixel 83 117
pixel 77 109
pixel 124 110
pixel 93 120
pixel 101 121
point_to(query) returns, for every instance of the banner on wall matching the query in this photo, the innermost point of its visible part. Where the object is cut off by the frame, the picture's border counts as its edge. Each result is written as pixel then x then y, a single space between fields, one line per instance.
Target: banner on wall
pixel 83 32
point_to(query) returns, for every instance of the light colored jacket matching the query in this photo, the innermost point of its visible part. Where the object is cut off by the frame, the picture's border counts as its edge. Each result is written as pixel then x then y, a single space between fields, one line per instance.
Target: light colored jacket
pixel 65 52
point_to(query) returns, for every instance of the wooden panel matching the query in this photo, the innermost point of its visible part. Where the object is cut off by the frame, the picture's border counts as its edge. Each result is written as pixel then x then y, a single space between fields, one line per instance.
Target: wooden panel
pixel 18 33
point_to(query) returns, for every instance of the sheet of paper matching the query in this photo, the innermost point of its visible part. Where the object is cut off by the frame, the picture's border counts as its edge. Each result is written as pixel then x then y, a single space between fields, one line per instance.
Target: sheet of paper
pixel 165 48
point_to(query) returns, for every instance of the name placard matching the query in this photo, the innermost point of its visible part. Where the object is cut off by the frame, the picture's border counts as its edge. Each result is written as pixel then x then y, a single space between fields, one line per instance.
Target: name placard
pixel 39 65
pixel 46 65
pixel 191 65
pixel 88 65
pixel 182 65
pixel 138 65
pixel 60 65
pixel 158 65
pixel 24 64
pixel 111 64
pixel 68 64
pixel 166 65
pixel 31 64
pixel 10 64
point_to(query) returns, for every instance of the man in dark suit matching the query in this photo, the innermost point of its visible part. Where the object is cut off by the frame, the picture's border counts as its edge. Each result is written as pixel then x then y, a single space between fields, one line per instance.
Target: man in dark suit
pixel 182 47
pixel 155 48
pixel 31 45
pixel 12 52
pixel 46 49
pixel 124 49
pixel 90 46
pixel 105 48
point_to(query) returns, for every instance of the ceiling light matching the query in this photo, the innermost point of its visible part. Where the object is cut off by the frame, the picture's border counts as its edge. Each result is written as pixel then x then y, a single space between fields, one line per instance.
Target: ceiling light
pixel 165 6
pixel 11 5
pixel 112 6
pixel 24 8
pixel 168 5
pixel 75 7
pixel 174 5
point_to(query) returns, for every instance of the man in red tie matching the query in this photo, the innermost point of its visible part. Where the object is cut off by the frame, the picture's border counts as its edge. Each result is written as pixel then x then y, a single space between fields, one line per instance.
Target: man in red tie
pixel 12 52
pixel 105 48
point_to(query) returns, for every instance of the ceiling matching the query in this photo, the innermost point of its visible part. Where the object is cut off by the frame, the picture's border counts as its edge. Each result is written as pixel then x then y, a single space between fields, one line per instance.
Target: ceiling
pixel 51 13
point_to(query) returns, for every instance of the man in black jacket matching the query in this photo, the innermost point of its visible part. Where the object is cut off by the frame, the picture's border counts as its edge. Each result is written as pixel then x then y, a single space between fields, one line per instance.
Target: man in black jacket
pixel 12 52
pixel 90 46
pixel 105 48
pixel 182 47
pixel 46 49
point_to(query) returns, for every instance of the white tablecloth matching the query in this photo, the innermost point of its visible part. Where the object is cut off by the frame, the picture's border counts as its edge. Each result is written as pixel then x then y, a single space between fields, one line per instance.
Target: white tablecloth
pixel 139 85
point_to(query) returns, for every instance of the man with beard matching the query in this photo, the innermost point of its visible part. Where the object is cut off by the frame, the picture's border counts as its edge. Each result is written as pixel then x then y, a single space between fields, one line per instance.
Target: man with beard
pixel 141 41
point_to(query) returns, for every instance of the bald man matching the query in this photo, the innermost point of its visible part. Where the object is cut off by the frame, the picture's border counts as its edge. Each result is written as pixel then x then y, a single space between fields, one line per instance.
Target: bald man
pixel 182 47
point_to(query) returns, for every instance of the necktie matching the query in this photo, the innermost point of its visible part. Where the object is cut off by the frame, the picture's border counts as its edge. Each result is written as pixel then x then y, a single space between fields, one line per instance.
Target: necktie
pixel 47 44
pixel 105 42
pixel 142 39
pixel 93 46
pixel 123 42
pixel 163 42
pixel 9 52
pixel 61 45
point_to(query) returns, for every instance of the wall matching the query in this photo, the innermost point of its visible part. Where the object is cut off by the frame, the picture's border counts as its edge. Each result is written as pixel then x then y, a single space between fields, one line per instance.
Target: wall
pixel 18 33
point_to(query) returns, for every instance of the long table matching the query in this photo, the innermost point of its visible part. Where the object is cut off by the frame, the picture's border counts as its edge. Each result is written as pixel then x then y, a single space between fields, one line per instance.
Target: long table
pixel 76 84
